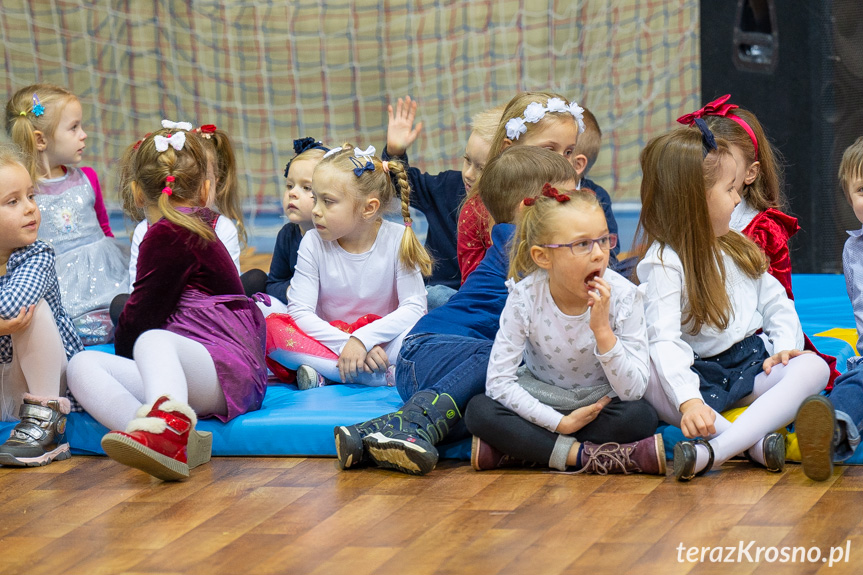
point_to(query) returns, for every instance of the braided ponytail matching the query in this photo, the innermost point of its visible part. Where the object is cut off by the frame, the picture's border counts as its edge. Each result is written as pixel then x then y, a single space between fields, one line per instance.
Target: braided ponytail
pixel 411 252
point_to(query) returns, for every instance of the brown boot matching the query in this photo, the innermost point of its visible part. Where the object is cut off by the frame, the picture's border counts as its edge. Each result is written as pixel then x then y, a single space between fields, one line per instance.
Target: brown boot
pixel 644 456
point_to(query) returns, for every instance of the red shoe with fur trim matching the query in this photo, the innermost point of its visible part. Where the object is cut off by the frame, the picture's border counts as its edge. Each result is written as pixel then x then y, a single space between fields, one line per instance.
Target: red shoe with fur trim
pixel 161 441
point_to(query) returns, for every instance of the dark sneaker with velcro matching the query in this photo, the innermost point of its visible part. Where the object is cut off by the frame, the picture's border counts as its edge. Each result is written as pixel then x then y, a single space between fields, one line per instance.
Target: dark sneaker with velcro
pixel 349 441
pixel 407 442
pixel 40 437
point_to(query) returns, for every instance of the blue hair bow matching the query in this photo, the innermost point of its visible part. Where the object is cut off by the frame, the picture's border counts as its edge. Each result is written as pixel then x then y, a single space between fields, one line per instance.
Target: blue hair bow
pixel 303 145
pixel 707 139
pixel 360 167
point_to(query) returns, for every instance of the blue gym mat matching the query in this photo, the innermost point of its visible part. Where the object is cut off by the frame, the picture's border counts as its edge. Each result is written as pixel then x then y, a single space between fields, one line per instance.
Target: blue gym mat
pixel 301 423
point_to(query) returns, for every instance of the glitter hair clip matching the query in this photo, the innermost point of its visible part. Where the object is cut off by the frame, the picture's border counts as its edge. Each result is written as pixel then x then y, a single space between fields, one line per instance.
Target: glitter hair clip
pixel 176 141
pixel 38 108
pixel 535 111
pixel 548 191
pixel 169 125
pixel 304 145
pixel 720 107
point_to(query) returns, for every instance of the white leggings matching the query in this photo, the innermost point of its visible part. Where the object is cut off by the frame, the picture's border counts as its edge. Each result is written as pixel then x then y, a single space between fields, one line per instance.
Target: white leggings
pixel 112 388
pixel 773 404
pixel 38 363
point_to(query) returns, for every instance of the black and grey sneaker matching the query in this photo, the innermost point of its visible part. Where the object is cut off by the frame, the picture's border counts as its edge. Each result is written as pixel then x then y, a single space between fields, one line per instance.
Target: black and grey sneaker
pixel 40 437
pixel 349 440
pixel 407 442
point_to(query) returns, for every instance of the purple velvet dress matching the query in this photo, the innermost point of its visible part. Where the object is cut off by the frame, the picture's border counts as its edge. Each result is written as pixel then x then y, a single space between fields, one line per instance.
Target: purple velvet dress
pixel 190 287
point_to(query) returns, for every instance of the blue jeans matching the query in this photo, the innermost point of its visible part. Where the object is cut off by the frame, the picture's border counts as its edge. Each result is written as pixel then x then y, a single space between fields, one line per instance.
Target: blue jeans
pixel 847 399
pixel 437 295
pixel 445 363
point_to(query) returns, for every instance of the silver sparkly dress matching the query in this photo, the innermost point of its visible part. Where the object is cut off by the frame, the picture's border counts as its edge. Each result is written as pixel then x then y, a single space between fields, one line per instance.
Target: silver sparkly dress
pixel 91 267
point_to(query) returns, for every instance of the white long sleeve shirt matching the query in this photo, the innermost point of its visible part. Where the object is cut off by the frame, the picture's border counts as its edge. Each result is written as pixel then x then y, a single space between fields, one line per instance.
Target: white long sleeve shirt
pixel 331 284
pixel 756 304
pixel 225 230
pixel 560 349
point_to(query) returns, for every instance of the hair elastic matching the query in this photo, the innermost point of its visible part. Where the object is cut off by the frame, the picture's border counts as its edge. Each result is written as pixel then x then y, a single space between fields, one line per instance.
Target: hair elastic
pixel 22 113
pixel 548 191
pixel 720 107
pixel 409 223
pixel 167 189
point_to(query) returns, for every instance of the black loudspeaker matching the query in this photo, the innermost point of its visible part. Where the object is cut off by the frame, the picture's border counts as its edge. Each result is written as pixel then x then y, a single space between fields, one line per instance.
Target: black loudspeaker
pixel 798 66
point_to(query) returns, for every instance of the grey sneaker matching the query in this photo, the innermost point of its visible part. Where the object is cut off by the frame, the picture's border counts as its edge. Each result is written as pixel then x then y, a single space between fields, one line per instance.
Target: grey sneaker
pixel 308 378
pixel 40 437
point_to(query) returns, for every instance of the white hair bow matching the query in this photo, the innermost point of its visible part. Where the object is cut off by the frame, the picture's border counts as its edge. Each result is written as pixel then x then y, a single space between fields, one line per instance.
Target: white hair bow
pixel 176 141
pixel 168 124
pixel 367 153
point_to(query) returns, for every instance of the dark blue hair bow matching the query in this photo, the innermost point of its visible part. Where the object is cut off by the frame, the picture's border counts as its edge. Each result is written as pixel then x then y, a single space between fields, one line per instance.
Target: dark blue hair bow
pixel 707 139
pixel 360 167
pixel 304 145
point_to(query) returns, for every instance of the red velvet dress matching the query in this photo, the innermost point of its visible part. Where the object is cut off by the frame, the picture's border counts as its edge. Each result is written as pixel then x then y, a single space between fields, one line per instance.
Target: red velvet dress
pixel 771 230
pixel 474 236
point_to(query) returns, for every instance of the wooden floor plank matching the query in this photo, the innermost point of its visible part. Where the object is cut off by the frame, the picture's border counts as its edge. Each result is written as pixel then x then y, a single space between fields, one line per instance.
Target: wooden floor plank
pixel 305 516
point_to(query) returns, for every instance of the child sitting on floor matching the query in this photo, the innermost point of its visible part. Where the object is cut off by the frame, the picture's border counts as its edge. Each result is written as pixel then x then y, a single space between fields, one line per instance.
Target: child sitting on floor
pixel 36 335
pixel 357 288
pixel 707 296
pixel 443 360
pixel 46 122
pixel 576 325
pixel 540 119
pixel 188 341
pixel 439 196
pixel 828 428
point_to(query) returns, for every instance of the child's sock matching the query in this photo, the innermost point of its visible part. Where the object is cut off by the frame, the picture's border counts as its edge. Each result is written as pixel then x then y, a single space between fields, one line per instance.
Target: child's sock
pixel 702 456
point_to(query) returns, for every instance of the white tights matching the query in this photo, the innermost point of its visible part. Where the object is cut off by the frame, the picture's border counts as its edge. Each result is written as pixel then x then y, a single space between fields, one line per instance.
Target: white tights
pixel 112 388
pixel 773 404
pixel 38 363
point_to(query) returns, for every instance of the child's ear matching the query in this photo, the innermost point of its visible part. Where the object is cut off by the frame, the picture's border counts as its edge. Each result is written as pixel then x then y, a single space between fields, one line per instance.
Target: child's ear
pixel 752 173
pixel 506 143
pixel 540 257
pixel 579 162
pixel 371 207
pixel 41 140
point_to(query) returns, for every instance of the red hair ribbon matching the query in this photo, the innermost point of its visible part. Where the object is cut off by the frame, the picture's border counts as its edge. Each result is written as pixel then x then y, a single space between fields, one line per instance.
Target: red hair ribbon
pixel 549 192
pixel 721 107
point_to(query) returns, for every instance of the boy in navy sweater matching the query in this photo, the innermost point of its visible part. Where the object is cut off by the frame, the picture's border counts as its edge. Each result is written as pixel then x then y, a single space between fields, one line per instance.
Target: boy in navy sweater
pixel 439 197
pixel 443 360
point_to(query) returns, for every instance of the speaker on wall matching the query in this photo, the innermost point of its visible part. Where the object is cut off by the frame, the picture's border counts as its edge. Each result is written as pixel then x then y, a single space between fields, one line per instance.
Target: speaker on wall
pixel 798 67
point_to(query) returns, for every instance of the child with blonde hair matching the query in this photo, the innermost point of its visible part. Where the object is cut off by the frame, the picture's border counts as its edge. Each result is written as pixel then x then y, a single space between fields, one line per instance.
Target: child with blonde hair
pixel 355 270
pixel 577 326
pixel 828 428
pixel 440 196
pixel 541 119
pixel 707 297
pixel 36 335
pixel 189 343
pixel 46 122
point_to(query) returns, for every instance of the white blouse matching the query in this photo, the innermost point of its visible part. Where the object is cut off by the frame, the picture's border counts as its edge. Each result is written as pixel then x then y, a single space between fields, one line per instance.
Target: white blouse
pixel 756 304
pixel 331 284
pixel 560 349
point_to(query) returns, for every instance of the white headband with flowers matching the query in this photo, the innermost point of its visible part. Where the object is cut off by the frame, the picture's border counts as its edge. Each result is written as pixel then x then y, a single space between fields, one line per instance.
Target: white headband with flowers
pixel 536 112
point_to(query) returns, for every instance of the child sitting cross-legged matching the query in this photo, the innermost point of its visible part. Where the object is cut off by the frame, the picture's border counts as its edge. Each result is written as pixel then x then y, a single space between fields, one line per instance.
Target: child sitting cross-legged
pixel 577 326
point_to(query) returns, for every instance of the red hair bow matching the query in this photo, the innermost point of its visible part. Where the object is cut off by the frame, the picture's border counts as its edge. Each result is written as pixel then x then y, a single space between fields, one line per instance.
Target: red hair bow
pixel 549 192
pixel 208 129
pixel 718 107
pixel 721 107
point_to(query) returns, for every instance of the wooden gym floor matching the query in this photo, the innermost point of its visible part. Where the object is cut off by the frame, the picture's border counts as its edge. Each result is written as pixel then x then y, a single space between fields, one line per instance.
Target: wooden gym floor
pixel 89 515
